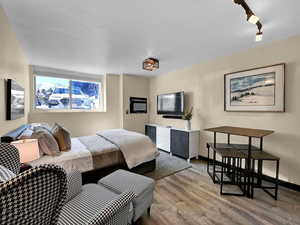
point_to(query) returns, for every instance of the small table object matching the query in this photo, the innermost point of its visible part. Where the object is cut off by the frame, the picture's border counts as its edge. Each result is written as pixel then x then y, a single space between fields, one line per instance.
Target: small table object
pixel 232 160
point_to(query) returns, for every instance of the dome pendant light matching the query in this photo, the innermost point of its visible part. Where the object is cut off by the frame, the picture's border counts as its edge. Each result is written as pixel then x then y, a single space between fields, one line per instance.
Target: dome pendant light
pixel 151 64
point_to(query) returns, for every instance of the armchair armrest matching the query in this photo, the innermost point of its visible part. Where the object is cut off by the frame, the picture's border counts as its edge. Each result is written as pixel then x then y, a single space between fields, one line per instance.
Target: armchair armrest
pixel 74 184
pixel 10 157
pixel 119 204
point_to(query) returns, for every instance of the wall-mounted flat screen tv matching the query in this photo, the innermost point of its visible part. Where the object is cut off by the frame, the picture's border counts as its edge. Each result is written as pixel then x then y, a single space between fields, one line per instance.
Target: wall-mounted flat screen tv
pixel 15 100
pixel 170 104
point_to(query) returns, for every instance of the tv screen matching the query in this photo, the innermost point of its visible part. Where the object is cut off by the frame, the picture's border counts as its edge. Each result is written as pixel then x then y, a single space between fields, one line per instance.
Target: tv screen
pixel 15 100
pixel 171 104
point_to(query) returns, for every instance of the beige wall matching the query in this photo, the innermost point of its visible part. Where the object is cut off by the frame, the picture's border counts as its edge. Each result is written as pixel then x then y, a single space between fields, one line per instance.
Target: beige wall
pixel 13 65
pixel 88 123
pixel 134 86
pixel 203 84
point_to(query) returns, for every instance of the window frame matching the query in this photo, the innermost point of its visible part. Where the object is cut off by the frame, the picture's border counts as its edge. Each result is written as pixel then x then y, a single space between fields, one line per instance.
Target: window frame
pixel 70 79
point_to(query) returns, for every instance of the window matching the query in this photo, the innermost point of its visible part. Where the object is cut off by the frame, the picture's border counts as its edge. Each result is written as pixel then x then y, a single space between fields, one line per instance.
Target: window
pixel 52 93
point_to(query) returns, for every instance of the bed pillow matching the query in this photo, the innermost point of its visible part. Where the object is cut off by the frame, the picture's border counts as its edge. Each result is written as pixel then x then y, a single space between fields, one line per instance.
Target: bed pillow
pixel 62 137
pixel 36 126
pixel 47 142
pixel 26 134
pixel 5 174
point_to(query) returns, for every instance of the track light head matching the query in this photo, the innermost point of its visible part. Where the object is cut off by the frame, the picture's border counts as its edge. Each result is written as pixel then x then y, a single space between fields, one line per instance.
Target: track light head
pixel 252 18
pixel 259 36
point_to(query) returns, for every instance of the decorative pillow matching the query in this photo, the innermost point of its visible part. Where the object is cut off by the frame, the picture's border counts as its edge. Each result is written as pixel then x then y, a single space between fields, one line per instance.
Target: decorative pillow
pixel 62 137
pixel 37 126
pixel 47 142
pixel 5 174
pixel 26 134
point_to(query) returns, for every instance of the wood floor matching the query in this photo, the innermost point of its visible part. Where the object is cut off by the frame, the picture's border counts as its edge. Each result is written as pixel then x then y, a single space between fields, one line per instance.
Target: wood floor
pixel 191 198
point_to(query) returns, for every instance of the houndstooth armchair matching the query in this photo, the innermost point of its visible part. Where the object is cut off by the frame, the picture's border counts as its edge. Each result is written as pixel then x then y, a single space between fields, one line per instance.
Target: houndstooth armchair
pixel 45 195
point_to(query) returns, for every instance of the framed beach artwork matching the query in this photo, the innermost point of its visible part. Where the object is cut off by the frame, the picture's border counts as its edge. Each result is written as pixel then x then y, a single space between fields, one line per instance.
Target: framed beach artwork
pixel 258 90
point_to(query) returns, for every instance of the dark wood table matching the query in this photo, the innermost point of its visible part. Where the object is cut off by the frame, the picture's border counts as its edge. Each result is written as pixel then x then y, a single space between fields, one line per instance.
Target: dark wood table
pixel 249 151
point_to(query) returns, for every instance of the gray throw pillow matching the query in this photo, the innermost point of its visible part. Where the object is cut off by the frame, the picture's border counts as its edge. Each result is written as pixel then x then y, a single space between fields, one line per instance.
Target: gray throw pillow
pixel 5 174
pixel 47 142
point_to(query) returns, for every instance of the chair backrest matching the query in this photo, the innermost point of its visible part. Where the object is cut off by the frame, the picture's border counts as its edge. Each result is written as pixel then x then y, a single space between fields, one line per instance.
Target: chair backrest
pixel 34 197
pixel 10 157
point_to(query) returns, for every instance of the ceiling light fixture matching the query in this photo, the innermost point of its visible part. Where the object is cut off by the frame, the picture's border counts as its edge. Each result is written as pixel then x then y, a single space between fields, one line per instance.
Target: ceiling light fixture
pixel 151 64
pixel 251 18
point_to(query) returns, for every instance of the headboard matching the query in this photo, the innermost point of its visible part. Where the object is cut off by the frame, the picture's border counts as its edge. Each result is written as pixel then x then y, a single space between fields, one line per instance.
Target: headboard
pixel 12 136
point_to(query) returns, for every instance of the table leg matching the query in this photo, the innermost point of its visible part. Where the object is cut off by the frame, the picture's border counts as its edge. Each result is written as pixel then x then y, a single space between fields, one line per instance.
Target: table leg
pixel 215 139
pixel 260 165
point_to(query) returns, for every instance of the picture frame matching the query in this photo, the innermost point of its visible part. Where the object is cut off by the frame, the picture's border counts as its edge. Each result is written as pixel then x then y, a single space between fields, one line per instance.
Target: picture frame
pixel 15 100
pixel 255 90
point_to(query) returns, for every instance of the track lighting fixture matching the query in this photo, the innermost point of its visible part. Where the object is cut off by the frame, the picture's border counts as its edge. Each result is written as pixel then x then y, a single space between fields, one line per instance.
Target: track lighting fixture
pixel 251 18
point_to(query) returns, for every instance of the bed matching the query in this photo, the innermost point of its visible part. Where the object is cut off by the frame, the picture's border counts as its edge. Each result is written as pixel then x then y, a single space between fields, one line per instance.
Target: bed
pixel 106 149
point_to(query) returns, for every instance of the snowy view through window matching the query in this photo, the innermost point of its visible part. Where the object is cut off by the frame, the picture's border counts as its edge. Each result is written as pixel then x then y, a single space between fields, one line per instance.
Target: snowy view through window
pixel 57 93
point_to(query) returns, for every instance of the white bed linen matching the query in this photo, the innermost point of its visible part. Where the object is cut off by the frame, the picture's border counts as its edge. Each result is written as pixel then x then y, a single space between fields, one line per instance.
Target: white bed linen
pixel 78 158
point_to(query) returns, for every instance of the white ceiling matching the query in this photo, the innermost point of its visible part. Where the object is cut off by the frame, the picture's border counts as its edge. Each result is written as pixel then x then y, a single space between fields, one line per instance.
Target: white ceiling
pixel 115 36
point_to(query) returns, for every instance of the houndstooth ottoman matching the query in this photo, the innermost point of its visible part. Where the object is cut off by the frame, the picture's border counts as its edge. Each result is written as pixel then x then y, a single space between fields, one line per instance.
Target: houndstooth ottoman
pixel 142 186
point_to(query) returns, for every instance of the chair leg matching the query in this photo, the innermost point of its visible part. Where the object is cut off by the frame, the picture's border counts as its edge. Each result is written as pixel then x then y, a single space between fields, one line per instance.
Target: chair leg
pixel 277 179
pixel 208 151
pixel 222 174
pixel 214 166
pixel 234 170
pixel 252 178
